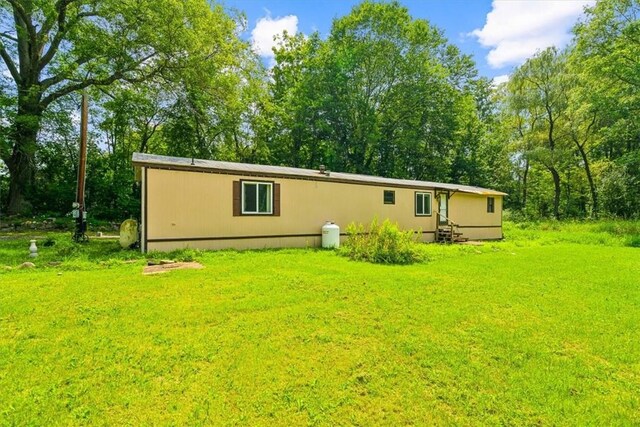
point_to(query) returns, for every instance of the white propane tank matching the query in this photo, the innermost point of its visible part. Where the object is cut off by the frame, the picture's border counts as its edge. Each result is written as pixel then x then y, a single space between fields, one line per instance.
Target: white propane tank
pixel 330 235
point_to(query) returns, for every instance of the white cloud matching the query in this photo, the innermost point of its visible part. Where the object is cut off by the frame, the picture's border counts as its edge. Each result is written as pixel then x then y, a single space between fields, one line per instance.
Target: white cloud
pixel 516 29
pixel 498 80
pixel 262 36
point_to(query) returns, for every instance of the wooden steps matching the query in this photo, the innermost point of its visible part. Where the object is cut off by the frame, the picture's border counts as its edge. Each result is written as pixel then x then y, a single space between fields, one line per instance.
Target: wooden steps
pixel 447 235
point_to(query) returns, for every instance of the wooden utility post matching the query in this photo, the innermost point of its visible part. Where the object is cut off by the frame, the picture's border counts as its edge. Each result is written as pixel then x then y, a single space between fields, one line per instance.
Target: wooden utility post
pixel 79 210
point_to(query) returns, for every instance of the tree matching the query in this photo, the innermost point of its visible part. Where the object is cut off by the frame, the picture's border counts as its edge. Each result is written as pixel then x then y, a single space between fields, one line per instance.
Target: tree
pixel 206 110
pixel 581 127
pixel 299 131
pixel 52 48
pixel 577 108
pixel 518 125
pixel 384 94
pixel 133 117
pixel 541 94
pixel 214 112
pixel 608 52
pixel 606 64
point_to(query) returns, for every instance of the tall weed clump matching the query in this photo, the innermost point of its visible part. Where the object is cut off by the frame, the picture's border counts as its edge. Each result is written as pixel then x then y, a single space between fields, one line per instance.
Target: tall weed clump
pixel 382 244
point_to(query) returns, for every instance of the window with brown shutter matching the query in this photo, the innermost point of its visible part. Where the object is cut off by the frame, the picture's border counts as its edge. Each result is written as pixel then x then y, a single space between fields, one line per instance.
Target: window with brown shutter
pixel 256 198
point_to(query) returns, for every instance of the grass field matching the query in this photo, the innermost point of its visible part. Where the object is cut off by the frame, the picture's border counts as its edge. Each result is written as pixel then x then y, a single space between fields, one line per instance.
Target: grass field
pixel 542 328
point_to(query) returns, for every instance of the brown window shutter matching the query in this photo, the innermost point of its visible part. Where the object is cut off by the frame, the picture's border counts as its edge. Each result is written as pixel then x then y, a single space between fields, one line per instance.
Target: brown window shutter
pixel 236 199
pixel 276 199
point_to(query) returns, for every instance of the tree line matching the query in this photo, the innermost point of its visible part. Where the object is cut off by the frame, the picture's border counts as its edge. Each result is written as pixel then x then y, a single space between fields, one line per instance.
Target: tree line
pixel 383 94
pixel 570 120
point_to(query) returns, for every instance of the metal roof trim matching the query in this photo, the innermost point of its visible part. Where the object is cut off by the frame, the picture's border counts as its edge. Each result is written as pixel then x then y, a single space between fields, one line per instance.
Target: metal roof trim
pixel 141 159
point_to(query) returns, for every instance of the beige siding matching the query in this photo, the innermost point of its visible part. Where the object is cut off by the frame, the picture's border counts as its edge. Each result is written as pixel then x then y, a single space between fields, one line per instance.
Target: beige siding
pixel 476 233
pixel 199 206
pixel 241 244
pixel 470 212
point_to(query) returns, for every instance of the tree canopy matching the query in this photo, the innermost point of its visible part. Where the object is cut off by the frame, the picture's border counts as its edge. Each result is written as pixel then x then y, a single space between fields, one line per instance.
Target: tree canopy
pixel 383 93
pixel 55 48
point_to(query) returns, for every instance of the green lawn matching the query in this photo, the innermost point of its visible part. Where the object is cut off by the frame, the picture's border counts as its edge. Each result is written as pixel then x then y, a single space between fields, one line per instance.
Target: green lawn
pixel 543 328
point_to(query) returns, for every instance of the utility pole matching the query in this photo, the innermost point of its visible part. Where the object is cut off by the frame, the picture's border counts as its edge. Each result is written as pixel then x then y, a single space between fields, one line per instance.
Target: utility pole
pixel 79 209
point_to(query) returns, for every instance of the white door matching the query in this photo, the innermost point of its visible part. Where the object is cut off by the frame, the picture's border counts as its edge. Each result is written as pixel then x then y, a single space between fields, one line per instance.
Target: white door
pixel 442 209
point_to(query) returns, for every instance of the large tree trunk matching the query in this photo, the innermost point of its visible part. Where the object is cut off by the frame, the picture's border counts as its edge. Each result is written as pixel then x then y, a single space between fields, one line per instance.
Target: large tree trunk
pixel 592 186
pixel 557 190
pixel 21 164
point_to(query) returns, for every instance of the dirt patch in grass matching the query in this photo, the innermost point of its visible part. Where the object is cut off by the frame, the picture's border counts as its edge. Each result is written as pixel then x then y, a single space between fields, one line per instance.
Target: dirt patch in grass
pixel 472 243
pixel 164 268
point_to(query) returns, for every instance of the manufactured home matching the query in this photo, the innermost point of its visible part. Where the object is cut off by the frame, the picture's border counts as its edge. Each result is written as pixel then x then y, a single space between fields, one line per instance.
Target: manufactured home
pixel 205 204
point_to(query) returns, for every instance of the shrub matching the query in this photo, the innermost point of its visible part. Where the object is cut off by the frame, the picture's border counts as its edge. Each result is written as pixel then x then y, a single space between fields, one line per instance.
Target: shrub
pixel 382 243
pixel 633 241
pixel 67 248
pixel 187 255
pixel 48 242
pixel 619 228
pixel 179 255
pixel 516 216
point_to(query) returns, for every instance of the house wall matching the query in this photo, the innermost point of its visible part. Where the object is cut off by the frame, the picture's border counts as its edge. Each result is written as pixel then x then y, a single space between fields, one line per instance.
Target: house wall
pixel 470 212
pixel 195 209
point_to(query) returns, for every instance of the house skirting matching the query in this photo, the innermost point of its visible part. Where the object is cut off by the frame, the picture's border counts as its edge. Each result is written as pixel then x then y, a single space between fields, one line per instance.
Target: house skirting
pixel 311 240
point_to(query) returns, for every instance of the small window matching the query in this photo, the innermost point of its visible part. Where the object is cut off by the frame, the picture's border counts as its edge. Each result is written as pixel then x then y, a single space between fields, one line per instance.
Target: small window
pixel 389 197
pixel 491 204
pixel 257 198
pixel 423 204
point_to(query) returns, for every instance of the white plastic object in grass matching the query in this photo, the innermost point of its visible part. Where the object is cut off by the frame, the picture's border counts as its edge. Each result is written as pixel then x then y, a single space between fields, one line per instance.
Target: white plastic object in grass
pixel 33 249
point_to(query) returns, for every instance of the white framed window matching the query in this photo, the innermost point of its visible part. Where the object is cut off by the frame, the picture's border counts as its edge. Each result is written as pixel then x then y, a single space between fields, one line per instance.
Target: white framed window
pixel 423 204
pixel 257 198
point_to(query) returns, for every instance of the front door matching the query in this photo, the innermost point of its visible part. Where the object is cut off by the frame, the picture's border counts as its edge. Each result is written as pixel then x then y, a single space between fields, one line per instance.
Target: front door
pixel 443 207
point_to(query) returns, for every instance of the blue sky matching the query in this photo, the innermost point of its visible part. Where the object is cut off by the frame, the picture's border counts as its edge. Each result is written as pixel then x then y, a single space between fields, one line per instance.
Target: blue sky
pixel 500 34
